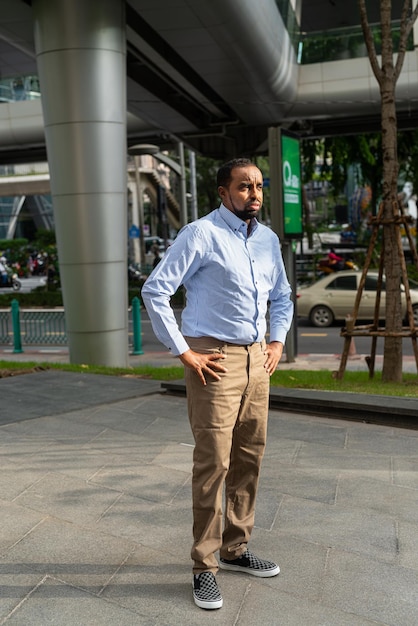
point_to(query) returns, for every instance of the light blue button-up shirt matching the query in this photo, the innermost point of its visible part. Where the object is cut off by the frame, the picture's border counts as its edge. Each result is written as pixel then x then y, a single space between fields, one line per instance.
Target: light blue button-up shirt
pixel 230 279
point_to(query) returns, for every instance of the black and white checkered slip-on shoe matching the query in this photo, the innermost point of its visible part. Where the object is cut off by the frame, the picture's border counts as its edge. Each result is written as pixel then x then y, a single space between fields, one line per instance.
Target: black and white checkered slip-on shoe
pixel 206 592
pixel 251 564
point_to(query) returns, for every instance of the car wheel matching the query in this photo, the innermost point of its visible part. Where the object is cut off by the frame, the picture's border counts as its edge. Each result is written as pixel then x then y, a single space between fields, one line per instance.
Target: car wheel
pixel 321 316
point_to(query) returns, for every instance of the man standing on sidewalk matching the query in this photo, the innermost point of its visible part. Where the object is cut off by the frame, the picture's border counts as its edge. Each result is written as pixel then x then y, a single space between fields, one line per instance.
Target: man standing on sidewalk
pixel 232 269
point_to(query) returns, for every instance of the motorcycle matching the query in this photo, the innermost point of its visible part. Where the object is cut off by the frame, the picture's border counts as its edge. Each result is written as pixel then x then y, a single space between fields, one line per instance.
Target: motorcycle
pixel 134 274
pixel 327 267
pixel 12 281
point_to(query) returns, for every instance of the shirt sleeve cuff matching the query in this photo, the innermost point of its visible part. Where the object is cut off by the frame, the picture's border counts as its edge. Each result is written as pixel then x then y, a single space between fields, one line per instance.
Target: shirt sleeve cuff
pixel 279 335
pixel 179 346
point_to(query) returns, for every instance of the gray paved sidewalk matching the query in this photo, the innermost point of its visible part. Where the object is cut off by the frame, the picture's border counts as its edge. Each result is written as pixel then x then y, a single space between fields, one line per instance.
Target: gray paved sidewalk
pixel 386 410
pixel 96 513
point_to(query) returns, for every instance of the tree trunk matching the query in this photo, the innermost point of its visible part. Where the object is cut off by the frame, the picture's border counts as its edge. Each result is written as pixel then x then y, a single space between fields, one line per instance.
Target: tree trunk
pixel 387 75
pixel 392 353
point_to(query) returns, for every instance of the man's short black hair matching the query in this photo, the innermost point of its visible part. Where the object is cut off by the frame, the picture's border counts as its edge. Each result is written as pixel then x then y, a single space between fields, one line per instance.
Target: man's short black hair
pixel 223 177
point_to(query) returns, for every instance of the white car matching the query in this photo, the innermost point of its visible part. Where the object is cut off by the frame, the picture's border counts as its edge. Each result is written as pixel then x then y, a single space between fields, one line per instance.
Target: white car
pixel 332 298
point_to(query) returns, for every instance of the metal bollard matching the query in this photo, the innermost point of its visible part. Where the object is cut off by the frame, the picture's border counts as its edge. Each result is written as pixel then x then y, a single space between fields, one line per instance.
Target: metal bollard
pixel 17 341
pixel 136 325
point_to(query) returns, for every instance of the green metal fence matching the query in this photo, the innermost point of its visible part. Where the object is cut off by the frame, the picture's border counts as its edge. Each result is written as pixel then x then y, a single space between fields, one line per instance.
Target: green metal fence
pixel 6 333
pixel 43 327
pixel 47 327
pixel 32 327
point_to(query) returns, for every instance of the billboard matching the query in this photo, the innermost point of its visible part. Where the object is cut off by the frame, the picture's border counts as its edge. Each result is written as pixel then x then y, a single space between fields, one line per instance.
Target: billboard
pixel 291 186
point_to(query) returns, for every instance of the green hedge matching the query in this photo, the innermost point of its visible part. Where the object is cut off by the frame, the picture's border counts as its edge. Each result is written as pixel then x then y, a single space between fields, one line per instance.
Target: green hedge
pixel 44 299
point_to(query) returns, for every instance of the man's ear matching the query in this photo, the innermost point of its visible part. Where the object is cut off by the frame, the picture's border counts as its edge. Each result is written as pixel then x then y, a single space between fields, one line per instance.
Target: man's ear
pixel 221 192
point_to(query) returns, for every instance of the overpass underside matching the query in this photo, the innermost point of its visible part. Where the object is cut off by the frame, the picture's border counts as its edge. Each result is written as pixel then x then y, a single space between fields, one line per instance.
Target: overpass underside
pixel 216 76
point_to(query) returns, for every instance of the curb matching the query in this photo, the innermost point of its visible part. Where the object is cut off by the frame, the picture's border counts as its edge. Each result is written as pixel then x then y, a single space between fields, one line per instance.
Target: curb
pixel 383 410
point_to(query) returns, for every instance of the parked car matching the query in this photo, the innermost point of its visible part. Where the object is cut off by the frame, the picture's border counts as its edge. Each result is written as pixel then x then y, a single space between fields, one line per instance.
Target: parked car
pixel 332 298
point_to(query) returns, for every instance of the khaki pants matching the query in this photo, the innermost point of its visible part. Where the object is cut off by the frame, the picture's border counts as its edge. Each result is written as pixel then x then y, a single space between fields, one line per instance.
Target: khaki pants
pixel 228 419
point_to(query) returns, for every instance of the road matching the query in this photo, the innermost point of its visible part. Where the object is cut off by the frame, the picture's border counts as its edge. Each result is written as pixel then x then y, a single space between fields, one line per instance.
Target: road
pixel 328 341
pixel 28 284
pixel 310 340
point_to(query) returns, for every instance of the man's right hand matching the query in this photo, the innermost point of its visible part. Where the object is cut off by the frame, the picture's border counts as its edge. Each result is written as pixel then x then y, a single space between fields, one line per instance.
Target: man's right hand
pixel 203 364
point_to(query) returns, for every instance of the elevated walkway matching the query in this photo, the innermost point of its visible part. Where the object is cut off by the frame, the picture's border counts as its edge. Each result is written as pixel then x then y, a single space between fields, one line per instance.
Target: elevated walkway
pixel 341 91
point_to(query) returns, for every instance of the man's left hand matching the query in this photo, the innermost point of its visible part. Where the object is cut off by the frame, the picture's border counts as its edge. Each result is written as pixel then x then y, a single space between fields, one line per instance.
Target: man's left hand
pixel 273 353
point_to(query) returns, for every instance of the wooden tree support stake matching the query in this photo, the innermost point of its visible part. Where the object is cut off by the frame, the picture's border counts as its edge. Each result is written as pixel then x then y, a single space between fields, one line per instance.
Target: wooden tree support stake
pixel 350 330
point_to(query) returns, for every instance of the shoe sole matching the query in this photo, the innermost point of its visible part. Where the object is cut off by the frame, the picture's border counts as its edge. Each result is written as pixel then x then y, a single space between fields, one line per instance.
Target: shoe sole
pixel 267 573
pixel 205 604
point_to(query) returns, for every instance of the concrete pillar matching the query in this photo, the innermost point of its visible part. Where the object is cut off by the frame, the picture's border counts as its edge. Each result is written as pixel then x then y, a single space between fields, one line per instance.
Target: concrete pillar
pixel 81 50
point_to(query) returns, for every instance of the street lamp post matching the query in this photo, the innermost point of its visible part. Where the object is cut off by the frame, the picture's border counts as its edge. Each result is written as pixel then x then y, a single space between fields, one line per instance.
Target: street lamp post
pixel 193 186
pixel 183 197
pixel 140 212
pixel 136 152
pixel 179 169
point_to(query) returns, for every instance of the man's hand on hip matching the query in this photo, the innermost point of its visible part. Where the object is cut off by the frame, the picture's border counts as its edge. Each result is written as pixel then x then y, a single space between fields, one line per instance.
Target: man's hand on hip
pixel 203 364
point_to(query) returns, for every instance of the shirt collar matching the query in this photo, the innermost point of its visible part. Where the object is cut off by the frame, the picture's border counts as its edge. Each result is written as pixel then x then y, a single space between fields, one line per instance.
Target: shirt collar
pixel 236 223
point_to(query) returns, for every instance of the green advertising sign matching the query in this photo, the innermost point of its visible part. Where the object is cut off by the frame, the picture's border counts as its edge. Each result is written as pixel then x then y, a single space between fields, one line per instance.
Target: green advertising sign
pixel 291 186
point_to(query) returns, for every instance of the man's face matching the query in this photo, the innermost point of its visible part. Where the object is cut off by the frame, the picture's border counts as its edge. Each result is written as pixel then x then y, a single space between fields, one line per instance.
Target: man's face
pixel 244 195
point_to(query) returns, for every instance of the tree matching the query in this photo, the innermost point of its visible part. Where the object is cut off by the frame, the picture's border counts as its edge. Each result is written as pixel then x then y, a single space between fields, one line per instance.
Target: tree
pixel 387 74
pixel 207 194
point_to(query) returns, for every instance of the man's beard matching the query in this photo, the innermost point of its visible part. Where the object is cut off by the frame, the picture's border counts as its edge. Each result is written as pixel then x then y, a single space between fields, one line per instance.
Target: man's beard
pixel 244 214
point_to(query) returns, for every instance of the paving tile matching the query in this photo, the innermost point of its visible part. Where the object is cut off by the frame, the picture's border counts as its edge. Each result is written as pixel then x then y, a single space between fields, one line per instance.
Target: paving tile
pixel 356 530
pixel 400 443
pixel 133 405
pixel 74 554
pixel 342 461
pixel 260 606
pixel 53 392
pixel 16 523
pixel 405 472
pixel 68 459
pixel 16 583
pixel 68 498
pixel 134 421
pixel 306 430
pixel 56 428
pixel 313 484
pixel 117 442
pixel 302 563
pixel 170 430
pixel 151 482
pixel 170 407
pixel 280 450
pixel 268 504
pixel 176 456
pixel 378 591
pixel 399 502
pixel 164 527
pixel 408 544
pixel 18 448
pixel 54 602
pixel 16 479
